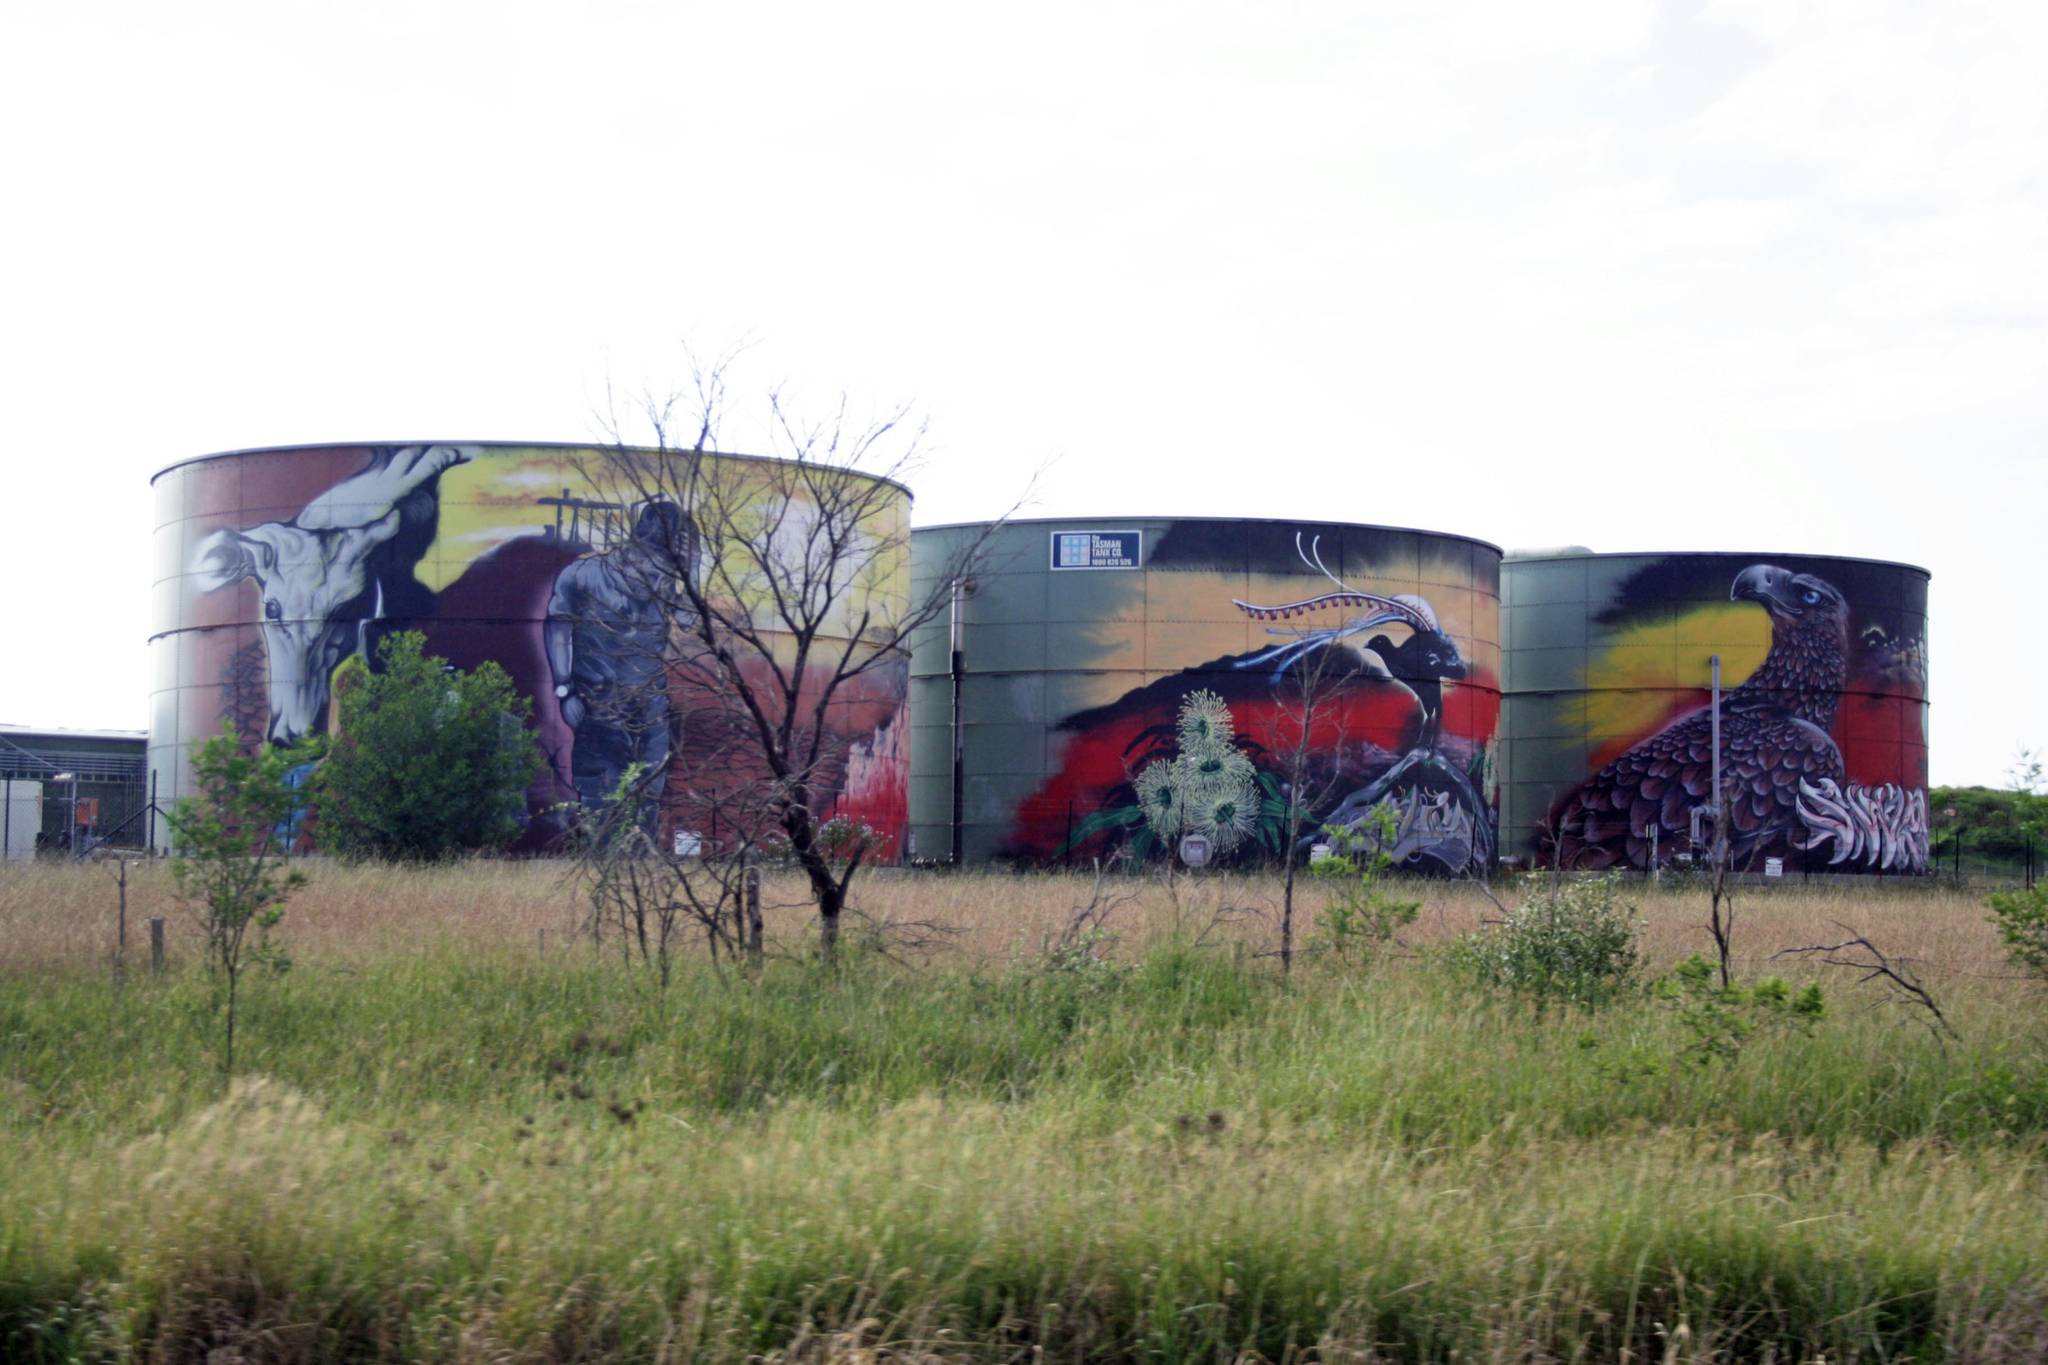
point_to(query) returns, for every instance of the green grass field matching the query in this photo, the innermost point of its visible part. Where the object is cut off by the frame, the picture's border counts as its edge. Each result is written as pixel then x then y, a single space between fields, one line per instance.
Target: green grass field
pixel 463 1133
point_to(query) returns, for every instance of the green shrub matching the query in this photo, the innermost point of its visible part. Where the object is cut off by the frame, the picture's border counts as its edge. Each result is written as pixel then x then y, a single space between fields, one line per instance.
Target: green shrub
pixel 1575 943
pixel 429 762
pixel 2021 918
pixel 1074 980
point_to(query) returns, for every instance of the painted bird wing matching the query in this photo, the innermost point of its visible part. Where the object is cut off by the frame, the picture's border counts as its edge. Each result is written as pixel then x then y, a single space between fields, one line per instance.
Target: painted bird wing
pixel 1767 755
pixel 1655 783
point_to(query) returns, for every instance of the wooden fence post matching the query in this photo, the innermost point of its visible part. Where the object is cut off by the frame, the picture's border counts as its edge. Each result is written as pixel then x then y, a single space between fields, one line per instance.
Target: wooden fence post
pixel 121 930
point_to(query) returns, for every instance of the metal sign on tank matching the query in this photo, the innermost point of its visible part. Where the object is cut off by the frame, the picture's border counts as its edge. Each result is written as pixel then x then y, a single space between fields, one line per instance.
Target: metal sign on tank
pixel 1123 684
pixel 275 567
pixel 1823 717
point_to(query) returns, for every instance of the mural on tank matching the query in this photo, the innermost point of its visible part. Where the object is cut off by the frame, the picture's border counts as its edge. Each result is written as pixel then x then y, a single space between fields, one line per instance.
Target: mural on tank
pixel 1392 638
pixel 1823 730
pixel 605 645
pixel 297 561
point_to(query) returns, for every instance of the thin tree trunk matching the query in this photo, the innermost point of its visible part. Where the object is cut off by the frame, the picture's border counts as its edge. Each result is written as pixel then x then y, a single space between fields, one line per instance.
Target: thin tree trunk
pixel 826 890
pixel 1287 921
pixel 831 900
pixel 228 1062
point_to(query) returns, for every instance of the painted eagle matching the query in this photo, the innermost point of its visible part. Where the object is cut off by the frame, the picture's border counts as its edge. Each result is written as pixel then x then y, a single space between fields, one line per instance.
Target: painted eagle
pixel 1774 735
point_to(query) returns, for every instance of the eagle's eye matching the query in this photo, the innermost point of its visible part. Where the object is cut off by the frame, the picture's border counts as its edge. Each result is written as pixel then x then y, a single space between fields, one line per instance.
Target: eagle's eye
pixel 1811 597
pixel 272 610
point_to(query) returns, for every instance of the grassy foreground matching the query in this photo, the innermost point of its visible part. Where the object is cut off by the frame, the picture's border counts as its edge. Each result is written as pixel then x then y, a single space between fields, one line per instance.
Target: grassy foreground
pixel 487 1146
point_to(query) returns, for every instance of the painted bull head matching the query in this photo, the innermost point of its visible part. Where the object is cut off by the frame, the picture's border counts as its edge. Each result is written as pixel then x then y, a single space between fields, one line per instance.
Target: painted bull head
pixel 322 575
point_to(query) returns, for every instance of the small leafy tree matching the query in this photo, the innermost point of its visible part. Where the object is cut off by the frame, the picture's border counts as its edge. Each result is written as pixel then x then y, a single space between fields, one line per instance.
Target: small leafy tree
pixel 231 866
pixel 1363 914
pixel 428 762
pixel 2029 773
pixel 1308 703
pixel 2030 802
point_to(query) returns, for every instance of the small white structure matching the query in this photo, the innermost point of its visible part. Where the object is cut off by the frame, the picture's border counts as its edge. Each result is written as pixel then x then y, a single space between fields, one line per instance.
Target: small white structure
pixel 21 818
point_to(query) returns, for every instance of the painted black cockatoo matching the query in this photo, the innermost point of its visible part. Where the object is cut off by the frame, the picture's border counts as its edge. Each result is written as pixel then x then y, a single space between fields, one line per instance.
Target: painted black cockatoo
pixel 1774 735
pixel 1419 664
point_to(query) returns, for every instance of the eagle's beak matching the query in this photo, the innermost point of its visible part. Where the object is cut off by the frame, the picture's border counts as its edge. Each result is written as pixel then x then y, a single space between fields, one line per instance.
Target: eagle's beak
pixel 1768 585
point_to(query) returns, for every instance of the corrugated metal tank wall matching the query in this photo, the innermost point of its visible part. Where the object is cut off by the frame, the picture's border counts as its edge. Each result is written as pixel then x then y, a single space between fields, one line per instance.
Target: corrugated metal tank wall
pixel 1607 660
pixel 274 566
pixel 1076 679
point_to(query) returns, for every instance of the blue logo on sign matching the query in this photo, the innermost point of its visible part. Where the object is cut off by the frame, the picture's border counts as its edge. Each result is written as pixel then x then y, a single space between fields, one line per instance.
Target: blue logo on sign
pixel 1097 549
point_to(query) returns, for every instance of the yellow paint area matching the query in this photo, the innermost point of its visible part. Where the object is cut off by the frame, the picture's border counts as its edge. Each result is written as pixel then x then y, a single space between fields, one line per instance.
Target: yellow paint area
pixel 492 500
pixel 505 494
pixel 1628 683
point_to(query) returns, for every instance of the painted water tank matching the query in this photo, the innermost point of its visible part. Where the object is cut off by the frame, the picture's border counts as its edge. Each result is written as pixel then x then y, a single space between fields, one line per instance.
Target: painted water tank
pixel 1607 734
pixel 275 567
pixel 1137 688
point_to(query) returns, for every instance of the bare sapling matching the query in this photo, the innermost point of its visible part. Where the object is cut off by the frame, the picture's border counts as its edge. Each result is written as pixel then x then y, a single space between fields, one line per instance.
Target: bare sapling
pixel 658 892
pixel 1309 706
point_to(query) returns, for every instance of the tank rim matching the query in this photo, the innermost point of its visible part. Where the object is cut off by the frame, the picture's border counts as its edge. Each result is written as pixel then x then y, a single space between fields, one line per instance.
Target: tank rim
pixel 296 446
pixel 1241 521
pixel 1755 556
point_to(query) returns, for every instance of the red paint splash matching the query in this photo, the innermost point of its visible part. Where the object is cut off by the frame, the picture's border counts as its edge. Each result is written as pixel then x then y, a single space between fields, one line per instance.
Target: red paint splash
pixel 1102 756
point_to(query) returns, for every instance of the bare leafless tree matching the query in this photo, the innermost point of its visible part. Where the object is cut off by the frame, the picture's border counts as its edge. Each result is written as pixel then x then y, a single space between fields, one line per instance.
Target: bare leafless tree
pixel 786 605
pixel 1306 726
pixel 1088 924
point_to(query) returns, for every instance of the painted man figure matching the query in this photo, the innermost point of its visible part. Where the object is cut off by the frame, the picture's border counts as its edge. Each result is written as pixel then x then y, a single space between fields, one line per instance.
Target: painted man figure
pixel 607 636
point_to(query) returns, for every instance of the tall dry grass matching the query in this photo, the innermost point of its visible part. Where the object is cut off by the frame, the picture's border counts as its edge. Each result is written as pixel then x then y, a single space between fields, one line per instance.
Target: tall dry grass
pixel 65 914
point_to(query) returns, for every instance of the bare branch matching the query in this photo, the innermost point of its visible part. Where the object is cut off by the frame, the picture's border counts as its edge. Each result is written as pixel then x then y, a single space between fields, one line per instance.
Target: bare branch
pixel 1859 954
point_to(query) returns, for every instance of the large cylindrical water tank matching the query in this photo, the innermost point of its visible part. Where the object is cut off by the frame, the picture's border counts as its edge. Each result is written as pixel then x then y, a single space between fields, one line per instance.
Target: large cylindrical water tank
pixel 1092 667
pixel 273 567
pixel 1607 756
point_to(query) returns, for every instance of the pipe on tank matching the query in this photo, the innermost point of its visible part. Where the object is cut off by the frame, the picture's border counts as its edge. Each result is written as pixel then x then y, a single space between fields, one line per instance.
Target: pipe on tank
pixel 957 626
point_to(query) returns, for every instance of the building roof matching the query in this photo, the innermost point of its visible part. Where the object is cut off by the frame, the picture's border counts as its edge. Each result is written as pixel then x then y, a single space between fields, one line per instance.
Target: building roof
pixel 22 733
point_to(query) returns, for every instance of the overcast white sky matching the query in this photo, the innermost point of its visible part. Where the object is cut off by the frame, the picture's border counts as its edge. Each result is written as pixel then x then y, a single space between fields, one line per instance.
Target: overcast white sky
pixel 1747 274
